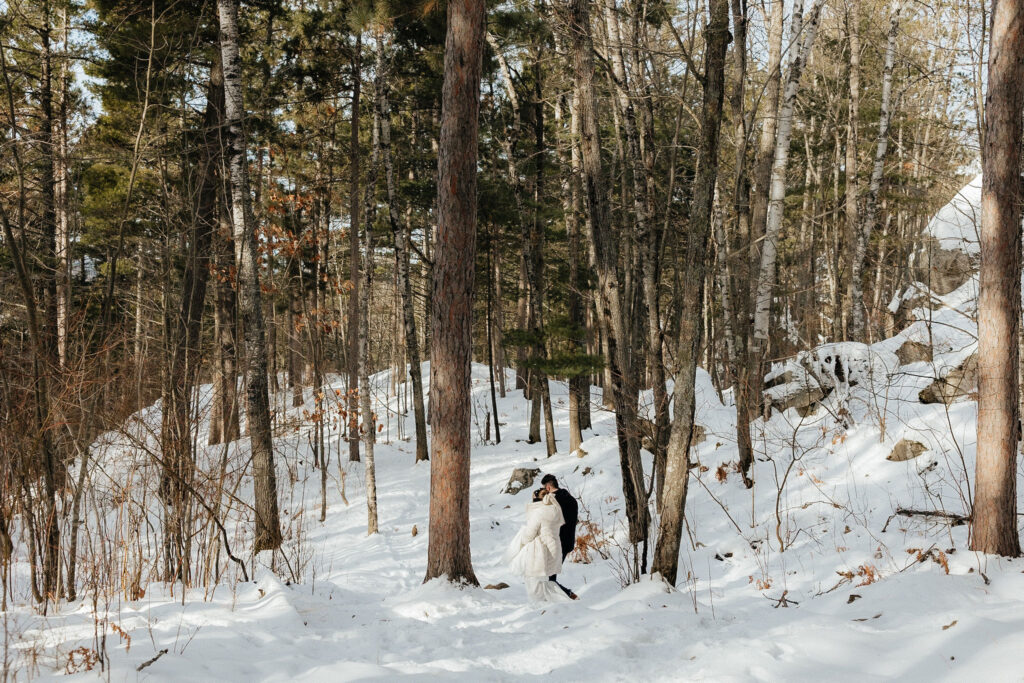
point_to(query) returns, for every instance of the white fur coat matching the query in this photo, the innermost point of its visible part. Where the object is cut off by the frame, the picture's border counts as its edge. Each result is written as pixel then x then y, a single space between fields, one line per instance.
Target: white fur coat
pixel 536 550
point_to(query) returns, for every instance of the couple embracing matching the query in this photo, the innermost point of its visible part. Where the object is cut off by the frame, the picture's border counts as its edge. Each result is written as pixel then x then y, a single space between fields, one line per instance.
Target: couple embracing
pixel 540 547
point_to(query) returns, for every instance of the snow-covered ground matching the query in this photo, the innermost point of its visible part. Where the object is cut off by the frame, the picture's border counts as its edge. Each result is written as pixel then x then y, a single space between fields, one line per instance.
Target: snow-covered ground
pixel 860 603
pixel 811 575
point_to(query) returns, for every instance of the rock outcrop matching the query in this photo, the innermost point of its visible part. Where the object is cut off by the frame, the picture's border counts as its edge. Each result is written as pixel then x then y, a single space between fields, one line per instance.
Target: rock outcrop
pixel 957 382
pixel 906 450
pixel 522 478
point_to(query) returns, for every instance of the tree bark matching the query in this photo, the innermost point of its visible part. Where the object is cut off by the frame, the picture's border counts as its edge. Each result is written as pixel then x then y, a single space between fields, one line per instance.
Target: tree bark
pixel 604 249
pixel 748 367
pixel 268 525
pixel 994 519
pixel 677 473
pixel 401 238
pixel 224 410
pixel 369 428
pixel 448 551
pixel 353 258
pixel 853 223
pixel 182 375
pixel 803 34
pixel 575 296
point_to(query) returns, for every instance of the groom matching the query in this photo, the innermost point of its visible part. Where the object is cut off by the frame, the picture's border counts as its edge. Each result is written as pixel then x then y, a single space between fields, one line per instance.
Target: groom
pixel 567 532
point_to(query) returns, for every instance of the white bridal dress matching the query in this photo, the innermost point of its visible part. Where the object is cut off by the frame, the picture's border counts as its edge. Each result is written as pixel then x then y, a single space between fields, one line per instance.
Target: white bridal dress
pixel 536 553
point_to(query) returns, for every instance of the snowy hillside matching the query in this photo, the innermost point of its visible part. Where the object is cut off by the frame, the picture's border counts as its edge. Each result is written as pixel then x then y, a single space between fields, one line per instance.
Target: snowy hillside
pixel 813 574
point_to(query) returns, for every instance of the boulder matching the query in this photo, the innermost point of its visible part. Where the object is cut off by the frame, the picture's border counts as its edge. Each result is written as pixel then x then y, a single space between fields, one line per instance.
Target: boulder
pixel 906 450
pixel 941 269
pixel 954 384
pixel 803 397
pixel 522 478
pixel 913 352
pixel 841 364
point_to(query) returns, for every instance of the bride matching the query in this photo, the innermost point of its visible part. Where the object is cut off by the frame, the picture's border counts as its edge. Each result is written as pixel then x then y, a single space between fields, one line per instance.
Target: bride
pixel 536 553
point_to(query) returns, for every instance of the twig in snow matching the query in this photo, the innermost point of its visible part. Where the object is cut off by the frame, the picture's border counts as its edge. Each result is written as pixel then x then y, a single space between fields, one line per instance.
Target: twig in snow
pixel 150 661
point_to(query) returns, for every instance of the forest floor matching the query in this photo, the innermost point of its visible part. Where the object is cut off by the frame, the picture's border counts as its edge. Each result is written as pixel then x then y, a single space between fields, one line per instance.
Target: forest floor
pixel 805 577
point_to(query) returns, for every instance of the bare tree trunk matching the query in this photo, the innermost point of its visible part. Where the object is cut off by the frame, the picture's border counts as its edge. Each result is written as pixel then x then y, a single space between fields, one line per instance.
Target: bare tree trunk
pixel 268 525
pixel 369 430
pixel 767 275
pixel 537 287
pixel 353 259
pixel 224 411
pixel 748 367
pixel 604 254
pixel 863 232
pixel 499 325
pixel 576 341
pixel 853 224
pixel 295 322
pixel 401 238
pixel 448 551
pixel 648 237
pixel 766 143
pixel 62 201
pixel 490 339
pixel 587 310
pixel 677 473
pixel 54 469
pixel 176 434
pixel 528 305
pixel 994 519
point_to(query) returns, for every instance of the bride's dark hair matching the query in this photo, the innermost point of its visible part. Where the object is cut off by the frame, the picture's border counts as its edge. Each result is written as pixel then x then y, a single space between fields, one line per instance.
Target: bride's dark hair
pixel 538 495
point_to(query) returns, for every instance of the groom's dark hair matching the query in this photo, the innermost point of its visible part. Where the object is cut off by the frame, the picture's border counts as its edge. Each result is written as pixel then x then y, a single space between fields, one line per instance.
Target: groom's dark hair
pixel 549 479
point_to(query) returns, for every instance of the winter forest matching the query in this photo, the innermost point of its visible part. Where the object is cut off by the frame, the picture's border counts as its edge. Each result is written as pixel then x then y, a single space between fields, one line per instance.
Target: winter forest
pixel 484 339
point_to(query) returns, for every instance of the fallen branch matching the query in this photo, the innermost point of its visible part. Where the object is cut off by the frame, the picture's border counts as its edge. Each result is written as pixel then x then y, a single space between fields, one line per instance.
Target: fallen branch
pixel 952 517
pixel 150 661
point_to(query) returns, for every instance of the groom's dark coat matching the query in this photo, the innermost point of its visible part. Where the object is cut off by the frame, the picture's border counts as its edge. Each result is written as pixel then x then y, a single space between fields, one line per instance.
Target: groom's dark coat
pixel 571 513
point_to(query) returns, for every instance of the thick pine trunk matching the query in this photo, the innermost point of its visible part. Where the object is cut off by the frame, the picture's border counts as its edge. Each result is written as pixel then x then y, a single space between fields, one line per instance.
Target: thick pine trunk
pixel 677 472
pixel 448 551
pixel 994 522
pixel 268 525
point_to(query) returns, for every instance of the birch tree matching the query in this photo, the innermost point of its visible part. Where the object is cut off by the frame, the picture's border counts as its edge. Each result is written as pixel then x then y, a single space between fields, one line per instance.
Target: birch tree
pixel 864 229
pixel 803 37
pixel 268 525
